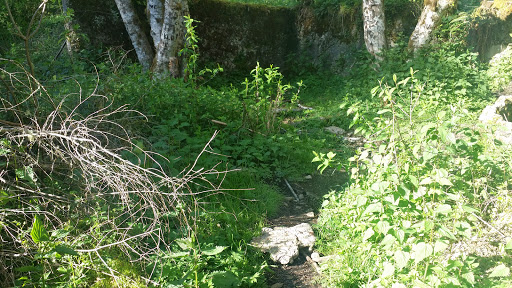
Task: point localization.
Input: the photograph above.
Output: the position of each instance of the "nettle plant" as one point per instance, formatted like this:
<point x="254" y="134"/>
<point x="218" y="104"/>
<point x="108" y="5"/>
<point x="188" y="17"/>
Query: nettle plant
<point x="262" y="95"/>
<point x="417" y="187"/>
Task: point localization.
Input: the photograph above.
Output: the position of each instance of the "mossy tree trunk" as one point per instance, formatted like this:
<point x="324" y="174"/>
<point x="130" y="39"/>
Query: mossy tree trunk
<point x="72" y="42"/>
<point x="133" y="26"/>
<point x="166" y="20"/>
<point x="430" y="17"/>
<point x="374" y="28"/>
<point x="171" y="39"/>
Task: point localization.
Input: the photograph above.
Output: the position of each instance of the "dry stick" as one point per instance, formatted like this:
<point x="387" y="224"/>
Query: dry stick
<point x="314" y="265"/>
<point x="489" y="225"/>
<point x="291" y="189"/>
<point x="115" y="243"/>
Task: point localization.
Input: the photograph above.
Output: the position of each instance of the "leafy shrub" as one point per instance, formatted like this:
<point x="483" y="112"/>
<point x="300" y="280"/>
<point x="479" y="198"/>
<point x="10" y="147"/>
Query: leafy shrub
<point x="500" y="70"/>
<point x="416" y="190"/>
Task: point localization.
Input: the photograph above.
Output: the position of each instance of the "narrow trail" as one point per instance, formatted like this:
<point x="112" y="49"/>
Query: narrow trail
<point x="301" y="273"/>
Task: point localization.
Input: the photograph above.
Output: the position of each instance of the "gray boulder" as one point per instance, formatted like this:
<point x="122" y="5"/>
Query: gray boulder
<point x="283" y="243"/>
<point x="500" y="113"/>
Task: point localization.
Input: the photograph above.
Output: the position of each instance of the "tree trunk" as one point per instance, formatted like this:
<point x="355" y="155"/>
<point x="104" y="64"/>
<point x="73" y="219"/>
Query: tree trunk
<point x="172" y="40"/>
<point x="373" y="18"/>
<point x="430" y="18"/>
<point x="155" y="13"/>
<point x="139" y="40"/>
<point x="72" y="42"/>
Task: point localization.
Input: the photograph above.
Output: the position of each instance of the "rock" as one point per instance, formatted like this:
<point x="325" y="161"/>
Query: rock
<point x="277" y="285"/>
<point x="500" y="113"/>
<point x="315" y="256"/>
<point x="352" y="139"/>
<point x="301" y="196"/>
<point x="308" y="177"/>
<point x="318" y="259"/>
<point x="283" y="243"/>
<point x="335" y="130"/>
<point x="310" y="215"/>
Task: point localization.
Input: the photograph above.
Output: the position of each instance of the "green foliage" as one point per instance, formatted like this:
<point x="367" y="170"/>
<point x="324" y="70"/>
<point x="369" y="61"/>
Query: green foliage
<point x="271" y="3"/>
<point x="191" y="53"/>
<point x="262" y="96"/>
<point x="500" y="71"/>
<point x="416" y="189"/>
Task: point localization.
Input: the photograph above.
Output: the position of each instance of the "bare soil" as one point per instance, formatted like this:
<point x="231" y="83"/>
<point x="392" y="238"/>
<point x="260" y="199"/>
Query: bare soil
<point x="301" y="273"/>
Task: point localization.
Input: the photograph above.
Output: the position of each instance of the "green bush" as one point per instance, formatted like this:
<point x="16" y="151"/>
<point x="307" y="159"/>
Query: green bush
<point x="416" y="190"/>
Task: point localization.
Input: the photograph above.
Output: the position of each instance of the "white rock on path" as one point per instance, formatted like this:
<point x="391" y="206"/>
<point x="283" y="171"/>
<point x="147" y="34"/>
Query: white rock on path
<point x="496" y="114"/>
<point x="283" y="243"/>
<point x="335" y="130"/>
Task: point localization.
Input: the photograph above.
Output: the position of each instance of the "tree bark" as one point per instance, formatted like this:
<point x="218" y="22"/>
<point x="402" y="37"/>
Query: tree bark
<point x="155" y="13"/>
<point x="172" y="40"/>
<point x="374" y="28"/>
<point x="72" y="42"/>
<point x="139" y="40"/>
<point x="430" y="18"/>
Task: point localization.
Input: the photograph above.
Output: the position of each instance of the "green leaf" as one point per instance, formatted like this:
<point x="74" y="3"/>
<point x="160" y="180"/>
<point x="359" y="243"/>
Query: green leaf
<point x="450" y="137"/>
<point x="500" y="271"/>
<point x="368" y="234"/>
<point x="377" y="158"/>
<point x="509" y="244"/>
<point x="38" y="232"/>
<point x="375" y="207"/>
<point x="470" y="277"/>
<point x="421" y="251"/>
<point x="400" y="235"/>
<point x="382" y="227"/>
<point x="469" y="209"/>
<point x="443" y="209"/>
<point x="388" y="241"/>
<point x="419" y="284"/>
<point x="440" y="246"/>
<point x="444" y="181"/>
<point x="361" y="200"/>
<point x="178" y="254"/>
<point x="29" y="268"/>
<point x="185" y="243"/>
<point x="225" y="279"/>
<point x="213" y="251"/>
<point x="389" y="270"/>
<point x="443" y="231"/>
<point x="63" y="250"/>
<point x="426" y="181"/>
<point x="414" y="180"/>
<point x="401" y="258"/>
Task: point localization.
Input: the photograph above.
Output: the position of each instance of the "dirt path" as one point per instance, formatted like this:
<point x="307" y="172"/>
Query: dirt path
<point x="301" y="273"/>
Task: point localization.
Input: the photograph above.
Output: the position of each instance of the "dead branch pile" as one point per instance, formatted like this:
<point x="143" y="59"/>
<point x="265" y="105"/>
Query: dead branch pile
<point x="45" y="156"/>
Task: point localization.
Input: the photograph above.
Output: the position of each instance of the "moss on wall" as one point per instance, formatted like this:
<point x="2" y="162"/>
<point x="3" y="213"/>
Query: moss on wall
<point x="489" y="33"/>
<point x="238" y="35"/>
<point x="101" y="22"/>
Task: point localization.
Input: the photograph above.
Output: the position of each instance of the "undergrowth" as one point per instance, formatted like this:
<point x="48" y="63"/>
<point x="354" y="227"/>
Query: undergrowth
<point x="429" y="186"/>
<point x="425" y="179"/>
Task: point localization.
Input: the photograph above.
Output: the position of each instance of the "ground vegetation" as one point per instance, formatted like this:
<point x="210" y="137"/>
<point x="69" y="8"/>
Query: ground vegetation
<point x="112" y="178"/>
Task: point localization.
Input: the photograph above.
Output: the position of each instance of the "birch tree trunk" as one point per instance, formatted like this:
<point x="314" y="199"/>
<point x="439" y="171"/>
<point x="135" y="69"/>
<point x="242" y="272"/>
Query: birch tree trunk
<point x="172" y="40"/>
<point x="373" y="18"/>
<point x="155" y="11"/>
<point x="430" y="18"/>
<point x="139" y="40"/>
<point x="72" y="42"/>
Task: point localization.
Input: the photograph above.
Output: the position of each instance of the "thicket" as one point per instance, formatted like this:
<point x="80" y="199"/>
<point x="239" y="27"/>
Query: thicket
<point x="96" y="194"/>
<point x="430" y="185"/>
